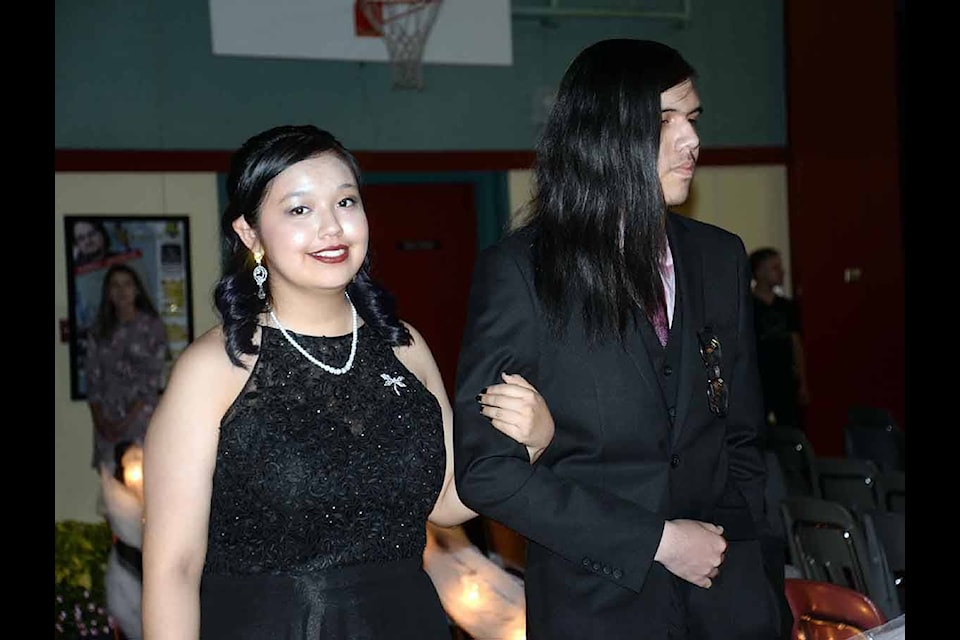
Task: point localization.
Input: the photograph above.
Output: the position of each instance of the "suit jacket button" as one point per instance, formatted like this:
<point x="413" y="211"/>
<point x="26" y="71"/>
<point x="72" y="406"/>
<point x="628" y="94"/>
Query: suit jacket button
<point x="596" y="566"/>
<point x="674" y="461"/>
<point x="667" y="370"/>
<point x="586" y="562"/>
<point x="617" y="574"/>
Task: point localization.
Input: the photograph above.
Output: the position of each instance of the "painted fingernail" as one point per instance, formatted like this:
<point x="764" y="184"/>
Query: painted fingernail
<point x="478" y="398"/>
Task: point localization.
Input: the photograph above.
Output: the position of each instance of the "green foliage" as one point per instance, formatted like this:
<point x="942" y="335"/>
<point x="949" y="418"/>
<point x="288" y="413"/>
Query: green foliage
<point x="80" y="562"/>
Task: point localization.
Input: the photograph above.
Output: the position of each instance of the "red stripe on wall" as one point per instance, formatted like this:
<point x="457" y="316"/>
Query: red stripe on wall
<point x="119" y="161"/>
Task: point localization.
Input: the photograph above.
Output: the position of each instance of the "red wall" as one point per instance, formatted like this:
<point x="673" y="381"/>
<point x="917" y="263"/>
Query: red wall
<point x="845" y="208"/>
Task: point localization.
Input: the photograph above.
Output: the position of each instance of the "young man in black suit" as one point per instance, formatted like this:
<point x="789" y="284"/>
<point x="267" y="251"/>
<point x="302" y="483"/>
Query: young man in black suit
<point x="645" y="514"/>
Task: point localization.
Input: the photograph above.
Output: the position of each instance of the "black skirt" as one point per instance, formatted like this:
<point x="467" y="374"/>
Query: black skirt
<point x="390" y="601"/>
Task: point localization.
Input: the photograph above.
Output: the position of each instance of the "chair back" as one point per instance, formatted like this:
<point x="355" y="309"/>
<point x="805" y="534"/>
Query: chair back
<point x="827" y="611"/>
<point x="885" y="531"/>
<point x="797" y="460"/>
<point x="827" y="544"/>
<point x="883" y="445"/>
<point x="893" y="488"/>
<point x="851" y="482"/>
<point x="870" y="416"/>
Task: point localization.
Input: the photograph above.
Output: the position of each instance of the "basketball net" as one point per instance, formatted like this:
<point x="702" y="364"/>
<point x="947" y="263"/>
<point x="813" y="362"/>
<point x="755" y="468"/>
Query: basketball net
<point x="404" y="26"/>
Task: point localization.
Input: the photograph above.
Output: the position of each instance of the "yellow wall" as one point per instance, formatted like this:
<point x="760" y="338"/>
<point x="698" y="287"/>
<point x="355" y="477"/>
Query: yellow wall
<point x="748" y="200"/>
<point x="193" y="194"/>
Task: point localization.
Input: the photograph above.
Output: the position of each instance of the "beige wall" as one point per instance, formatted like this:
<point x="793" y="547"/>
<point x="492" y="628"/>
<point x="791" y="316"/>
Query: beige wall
<point x="750" y="201"/>
<point x="194" y="194"/>
<point x="747" y="200"/>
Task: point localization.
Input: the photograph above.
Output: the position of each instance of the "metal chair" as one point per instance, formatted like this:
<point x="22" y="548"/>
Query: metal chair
<point x="885" y="531"/>
<point x="797" y="459"/>
<point x="871" y="433"/>
<point x="893" y="488"/>
<point x="852" y="482"/>
<point x="827" y="543"/>
<point x="826" y="611"/>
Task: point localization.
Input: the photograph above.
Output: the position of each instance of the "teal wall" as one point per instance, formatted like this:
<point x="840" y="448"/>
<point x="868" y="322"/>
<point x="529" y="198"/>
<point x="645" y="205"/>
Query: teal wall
<point x="141" y="75"/>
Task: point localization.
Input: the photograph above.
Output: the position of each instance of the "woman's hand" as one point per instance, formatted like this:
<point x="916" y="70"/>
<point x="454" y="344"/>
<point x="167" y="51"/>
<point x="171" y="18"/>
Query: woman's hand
<point x="516" y="409"/>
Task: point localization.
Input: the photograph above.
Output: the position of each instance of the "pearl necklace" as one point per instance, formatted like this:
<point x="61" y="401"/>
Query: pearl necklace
<point x="353" y="346"/>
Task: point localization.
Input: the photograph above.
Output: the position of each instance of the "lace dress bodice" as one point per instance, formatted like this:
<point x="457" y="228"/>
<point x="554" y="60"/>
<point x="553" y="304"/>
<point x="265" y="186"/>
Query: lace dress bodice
<point x="315" y="470"/>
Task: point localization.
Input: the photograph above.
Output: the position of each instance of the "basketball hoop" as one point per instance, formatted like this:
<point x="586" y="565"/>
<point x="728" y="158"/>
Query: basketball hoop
<point x="404" y="26"/>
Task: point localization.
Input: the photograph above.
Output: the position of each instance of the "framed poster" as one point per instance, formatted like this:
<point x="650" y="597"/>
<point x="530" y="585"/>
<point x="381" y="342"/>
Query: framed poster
<point x="156" y="247"/>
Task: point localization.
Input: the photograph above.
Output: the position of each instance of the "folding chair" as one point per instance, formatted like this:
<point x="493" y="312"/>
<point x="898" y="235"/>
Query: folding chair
<point x="827" y="611"/>
<point x="870" y="416"/>
<point x="893" y="488"/>
<point x="797" y="459"/>
<point x="885" y="446"/>
<point x="886" y="531"/>
<point x="851" y="482"/>
<point x="827" y="543"/>
<point x="871" y="433"/>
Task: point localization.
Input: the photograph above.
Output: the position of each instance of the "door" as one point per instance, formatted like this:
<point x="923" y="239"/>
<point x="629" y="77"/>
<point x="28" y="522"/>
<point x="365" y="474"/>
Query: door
<point x="423" y="243"/>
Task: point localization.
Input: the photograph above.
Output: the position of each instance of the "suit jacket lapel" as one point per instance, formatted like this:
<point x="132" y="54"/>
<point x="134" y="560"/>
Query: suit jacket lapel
<point x="688" y="266"/>
<point x="637" y="351"/>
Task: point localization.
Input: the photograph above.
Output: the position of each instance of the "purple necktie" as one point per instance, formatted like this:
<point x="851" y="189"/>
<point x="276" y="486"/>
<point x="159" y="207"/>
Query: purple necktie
<point x="659" y="322"/>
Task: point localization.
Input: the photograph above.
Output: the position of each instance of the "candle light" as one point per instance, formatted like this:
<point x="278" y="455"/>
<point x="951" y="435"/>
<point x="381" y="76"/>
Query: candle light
<point x="132" y="462"/>
<point x="470" y="590"/>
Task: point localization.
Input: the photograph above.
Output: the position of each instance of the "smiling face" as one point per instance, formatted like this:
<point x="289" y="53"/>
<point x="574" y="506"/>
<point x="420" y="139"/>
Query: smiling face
<point x="679" y="142"/>
<point x="313" y="229"/>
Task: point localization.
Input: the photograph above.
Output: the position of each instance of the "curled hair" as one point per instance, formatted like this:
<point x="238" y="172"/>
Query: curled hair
<point x="106" y="321"/>
<point x="598" y="210"/>
<point x="252" y="169"/>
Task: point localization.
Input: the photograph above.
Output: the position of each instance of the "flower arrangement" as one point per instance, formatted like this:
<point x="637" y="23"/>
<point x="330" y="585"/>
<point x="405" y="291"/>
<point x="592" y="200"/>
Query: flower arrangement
<point x="80" y="561"/>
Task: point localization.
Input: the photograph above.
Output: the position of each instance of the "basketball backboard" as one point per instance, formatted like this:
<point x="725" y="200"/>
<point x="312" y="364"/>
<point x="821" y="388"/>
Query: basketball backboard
<point x="468" y="32"/>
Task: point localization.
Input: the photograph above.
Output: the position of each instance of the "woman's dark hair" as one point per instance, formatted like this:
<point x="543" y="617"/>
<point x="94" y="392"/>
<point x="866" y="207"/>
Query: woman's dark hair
<point x="598" y="210"/>
<point x="252" y="168"/>
<point x="106" y="320"/>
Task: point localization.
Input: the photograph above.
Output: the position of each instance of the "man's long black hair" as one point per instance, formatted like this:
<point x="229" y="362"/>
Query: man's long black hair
<point x="598" y="210"/>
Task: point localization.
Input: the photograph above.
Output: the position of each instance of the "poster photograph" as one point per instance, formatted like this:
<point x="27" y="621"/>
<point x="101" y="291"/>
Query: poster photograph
<point x="156" y="247"/>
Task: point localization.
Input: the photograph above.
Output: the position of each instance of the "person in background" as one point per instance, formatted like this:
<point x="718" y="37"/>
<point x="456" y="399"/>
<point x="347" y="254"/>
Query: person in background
<point x="645" y="514"/>
<point x="780" y="353"/>
<point x="126" y="350"/>
<point x="303" y="444"/>
<point x="122" y="494"/>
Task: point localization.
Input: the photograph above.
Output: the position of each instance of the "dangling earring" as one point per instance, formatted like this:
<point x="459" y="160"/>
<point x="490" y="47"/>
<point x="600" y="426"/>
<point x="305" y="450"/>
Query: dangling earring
<point x="259" y="274"/>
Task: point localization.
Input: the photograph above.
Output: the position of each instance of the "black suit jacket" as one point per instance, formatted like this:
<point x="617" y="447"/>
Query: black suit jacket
<point x="593" y="507"/>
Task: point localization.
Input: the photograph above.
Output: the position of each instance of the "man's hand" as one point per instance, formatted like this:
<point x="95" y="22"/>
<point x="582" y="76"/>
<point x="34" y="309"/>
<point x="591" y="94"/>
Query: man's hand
<point x="692" y="550"/>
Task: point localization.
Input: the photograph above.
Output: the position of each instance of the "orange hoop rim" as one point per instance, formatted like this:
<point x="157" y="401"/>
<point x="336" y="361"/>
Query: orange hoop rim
<point x="379" y="20"/>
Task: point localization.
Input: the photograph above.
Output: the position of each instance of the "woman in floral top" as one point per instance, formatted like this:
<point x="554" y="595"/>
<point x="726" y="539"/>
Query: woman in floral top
<point x="126" y="351"/>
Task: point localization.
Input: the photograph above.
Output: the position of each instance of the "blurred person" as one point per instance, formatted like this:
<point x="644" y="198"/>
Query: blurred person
<point x="645" y="514"/>
<point x="122" y="493"/>
<point x="304" y="443"/>
<point x="780" y="353"/>
<point x="126" y="351"/>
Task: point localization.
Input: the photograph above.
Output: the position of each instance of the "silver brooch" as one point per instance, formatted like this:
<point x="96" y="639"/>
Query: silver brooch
<point x="396" y="383"/>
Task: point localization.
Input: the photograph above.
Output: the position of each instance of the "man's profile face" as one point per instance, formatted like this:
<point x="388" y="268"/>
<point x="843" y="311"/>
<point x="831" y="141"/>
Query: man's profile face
<point x="679" y="142"/>
<point x="88" y="239"/>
